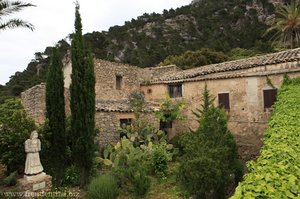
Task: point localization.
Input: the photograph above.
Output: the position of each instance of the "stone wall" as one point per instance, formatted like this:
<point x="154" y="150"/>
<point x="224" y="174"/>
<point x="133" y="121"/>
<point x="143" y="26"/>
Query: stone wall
<point x="159" y="70"/>
<point x="247" y="117"/>
<point x="108" y="122"/>
<point x="34" y="102"/>
<point x="106" y="73"/>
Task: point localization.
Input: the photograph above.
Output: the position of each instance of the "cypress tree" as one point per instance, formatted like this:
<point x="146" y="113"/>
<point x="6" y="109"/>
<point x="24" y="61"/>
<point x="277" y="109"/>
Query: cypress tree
<point x="82" y="103"/>
<point x="55" y="107"/>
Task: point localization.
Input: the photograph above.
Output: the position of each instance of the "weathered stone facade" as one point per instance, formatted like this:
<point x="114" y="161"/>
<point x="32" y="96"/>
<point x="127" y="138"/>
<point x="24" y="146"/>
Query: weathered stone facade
<point x="109" y="115"/>
<point x="243" y="80"/>
<point x="34" y="102"/>
<point x="107" y="73"/>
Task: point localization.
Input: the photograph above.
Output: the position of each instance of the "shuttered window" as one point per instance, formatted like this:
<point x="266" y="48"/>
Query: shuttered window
<point x="269" y="97"/>
<point x="175" y="90"/>
<point x="223" y="99"/>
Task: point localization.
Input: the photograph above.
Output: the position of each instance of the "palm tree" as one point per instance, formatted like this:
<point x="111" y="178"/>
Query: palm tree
<point x="286" y="24"/>
<point x="10" y="7"/>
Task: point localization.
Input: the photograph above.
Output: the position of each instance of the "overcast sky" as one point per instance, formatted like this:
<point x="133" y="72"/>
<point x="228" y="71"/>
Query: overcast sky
<point x="54" y="20"/>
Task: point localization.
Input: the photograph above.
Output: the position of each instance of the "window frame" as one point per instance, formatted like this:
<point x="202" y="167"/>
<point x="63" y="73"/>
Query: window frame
<point x="171" y="90"/>
<point x="127" y="123"/>
<point x="267" y="104"/>
<point x="119" y="82"/>
<point x="225" y="106"/>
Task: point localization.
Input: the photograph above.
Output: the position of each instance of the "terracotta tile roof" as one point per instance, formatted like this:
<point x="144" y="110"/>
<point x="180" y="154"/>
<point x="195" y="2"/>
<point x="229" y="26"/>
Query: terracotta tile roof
<point x="268" y="59"/>
<point x="121" y="106"/>
<point x="172" y="67"/>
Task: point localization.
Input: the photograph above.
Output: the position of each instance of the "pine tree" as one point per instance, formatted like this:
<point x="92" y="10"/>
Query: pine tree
<point x="210" y="153"/>
<point x="55" y="107"/>
<point x="82" y="103"/>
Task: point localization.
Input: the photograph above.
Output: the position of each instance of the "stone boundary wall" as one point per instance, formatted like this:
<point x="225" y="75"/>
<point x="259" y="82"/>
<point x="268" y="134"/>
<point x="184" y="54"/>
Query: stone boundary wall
<point x="108" y="123"/>
<point x="34" y="102"/>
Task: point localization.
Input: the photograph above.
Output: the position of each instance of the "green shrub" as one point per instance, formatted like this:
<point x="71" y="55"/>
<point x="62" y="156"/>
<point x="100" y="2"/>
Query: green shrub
<point x="210" y="153"/>
<point x="191" y="59"/>
<point x="276" y="173"/>
<point x="71" y="176"/>
<point x="11" y="180"/>
<point x="15" y="129"/>
<point x="103" y="187"/>
<point x="141" y="183"/>
<point x="160" y="161"/>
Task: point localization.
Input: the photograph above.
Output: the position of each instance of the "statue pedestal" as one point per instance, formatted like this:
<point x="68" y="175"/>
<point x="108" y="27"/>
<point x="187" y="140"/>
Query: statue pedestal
<point x="35" y="183"/>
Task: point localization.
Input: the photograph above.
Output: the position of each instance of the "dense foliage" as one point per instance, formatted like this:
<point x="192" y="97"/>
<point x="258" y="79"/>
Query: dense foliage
<point x="15" y="128"/>
<point x="221" y="26"/>
<point x="82" y="103"/>
<point x="151" y="38"/>
<point x="170" y="111"/>
<point x="285" y="26"/>
<point x="103" y="187"/>
<point x="191" y="59"/>
<point x="276" y="173"/>
<point x="142" y="150"/>
<point x="55" y="113"/>
<point x="210" y="154"/>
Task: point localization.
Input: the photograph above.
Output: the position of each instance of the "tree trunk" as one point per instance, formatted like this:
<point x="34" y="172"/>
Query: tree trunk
<point x="83" y="177"/>
<point x="58" y="178"/>
<point x="293" y="35"/>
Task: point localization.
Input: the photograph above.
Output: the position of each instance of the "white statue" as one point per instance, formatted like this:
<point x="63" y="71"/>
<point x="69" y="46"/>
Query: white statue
<point x="33" y="164"/>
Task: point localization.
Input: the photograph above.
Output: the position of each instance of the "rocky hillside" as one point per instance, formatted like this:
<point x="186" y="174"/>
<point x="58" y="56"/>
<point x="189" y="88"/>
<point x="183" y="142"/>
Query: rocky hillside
<point x="219" y="25"/>
<point x="216" y="24"/>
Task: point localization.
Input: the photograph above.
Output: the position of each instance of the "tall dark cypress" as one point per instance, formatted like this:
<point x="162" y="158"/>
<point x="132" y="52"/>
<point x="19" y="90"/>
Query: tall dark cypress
<point x="82" y="103"/>
<point x="55" y="107"/>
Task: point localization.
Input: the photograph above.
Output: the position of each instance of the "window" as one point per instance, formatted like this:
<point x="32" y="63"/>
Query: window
<point x="125" y="122"/>
<point x="165" y="125"/>
<point x="269" y="97"/>
<point x="175" y="90"/>
<point x="119" y="82"/>
<point x="223" y="99"/>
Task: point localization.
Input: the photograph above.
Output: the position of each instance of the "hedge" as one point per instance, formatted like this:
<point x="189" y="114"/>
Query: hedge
<point x="276" y="173"/>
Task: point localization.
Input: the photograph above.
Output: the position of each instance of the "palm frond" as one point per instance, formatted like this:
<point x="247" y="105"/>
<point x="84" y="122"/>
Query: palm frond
<point x="8" y="8"/>
<point x="16" y="23"/>
<point x="286" y="25"/>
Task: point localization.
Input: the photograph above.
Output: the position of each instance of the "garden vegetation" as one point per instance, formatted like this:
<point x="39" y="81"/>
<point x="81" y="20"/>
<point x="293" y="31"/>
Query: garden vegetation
<point x="276" y="173"/>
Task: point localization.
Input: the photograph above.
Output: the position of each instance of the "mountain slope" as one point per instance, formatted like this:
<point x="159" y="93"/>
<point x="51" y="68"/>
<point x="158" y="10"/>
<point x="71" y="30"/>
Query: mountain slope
<point x="215" y="24"/>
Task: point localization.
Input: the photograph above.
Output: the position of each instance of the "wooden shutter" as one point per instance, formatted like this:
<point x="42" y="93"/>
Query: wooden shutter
<point x="269" y="97"/>
<point x="224" y="101"/>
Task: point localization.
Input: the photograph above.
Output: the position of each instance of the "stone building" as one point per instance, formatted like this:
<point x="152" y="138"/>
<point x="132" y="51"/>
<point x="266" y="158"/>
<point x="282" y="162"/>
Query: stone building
<point x="246" y="88"/>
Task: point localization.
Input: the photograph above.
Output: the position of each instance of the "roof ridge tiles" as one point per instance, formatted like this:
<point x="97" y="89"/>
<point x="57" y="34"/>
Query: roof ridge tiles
<point x="261" y="60"/>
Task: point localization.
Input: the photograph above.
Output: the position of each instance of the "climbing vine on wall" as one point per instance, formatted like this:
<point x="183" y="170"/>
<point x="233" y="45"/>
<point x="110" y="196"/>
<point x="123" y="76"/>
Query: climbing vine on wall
<point x="170" y="110"/>
<point x="276" y="173"/>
